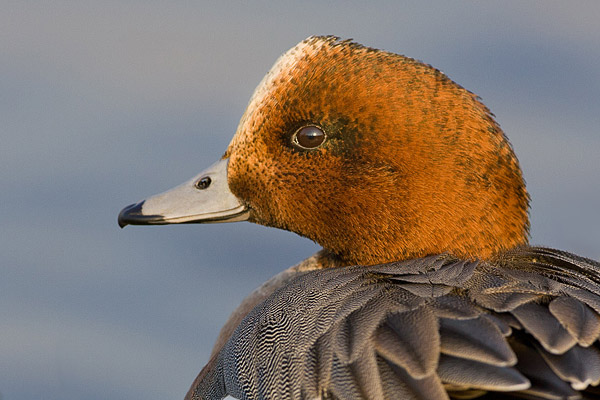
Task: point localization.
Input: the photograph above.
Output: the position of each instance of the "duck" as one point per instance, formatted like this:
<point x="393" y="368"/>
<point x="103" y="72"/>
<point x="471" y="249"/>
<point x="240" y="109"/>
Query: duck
<point x="426" y="286"/>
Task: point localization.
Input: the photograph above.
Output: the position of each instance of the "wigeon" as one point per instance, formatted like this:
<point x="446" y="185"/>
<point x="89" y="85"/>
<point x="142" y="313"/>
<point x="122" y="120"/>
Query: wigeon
<point x="426" y="287"/>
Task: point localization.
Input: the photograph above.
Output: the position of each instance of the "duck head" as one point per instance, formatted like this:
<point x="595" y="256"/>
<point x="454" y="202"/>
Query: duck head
<point x="375" y="156"/>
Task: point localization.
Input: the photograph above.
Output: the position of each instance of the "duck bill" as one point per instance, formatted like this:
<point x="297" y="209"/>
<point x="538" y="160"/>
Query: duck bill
<point x="209" y="201"/>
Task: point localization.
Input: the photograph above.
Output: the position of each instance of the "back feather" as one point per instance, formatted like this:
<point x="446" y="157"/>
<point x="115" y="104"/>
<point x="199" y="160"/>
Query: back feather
<point x="525" y="325"/>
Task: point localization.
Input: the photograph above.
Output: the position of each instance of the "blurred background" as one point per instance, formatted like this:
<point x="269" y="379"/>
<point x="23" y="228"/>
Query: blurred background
<point x="105" y="102"/>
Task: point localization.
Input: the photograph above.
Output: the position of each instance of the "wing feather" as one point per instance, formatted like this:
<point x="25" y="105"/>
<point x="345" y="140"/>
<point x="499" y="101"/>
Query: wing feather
<point x="545" y="384"/>
<point x="476" y="339"/>
<point x="473" y="374"/>
<point x="410" y="340"/>
<point x="578" y="319"/>
<point x="580" y="366"/>
<point x="399" y="384"/>
<point x="525" y="324"/>
<point x="538" y="321"/>
<point x="455" y="307"/>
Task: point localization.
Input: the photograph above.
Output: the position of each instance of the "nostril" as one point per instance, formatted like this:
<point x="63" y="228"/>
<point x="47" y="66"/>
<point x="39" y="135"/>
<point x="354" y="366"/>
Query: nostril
<point x="203" y="182"/>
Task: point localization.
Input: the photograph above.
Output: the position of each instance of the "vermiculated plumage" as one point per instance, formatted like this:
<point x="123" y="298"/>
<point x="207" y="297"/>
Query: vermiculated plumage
<point x="526" y="323"/>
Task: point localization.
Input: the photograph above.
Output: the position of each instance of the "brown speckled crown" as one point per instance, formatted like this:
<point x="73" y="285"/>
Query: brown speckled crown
<point x="413" y="163"/>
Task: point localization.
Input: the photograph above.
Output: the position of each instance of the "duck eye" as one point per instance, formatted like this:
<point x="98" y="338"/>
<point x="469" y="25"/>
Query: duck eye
<point x="203" y="182"/>
<point x="309" y="137"/>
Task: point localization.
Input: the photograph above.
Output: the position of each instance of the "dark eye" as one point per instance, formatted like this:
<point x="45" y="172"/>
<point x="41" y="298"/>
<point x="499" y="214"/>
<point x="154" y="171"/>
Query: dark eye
<point x="203" y="183"/>
<point x="309" y="137"/>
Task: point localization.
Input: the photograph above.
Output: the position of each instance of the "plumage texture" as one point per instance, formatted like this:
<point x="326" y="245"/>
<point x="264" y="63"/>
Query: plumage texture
<point x="510" y="325"/>
<point x="413" y="164"/>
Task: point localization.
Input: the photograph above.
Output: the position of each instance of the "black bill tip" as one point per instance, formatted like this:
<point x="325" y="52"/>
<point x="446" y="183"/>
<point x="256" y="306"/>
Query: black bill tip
<point x="132" y="215"/>
<point x="129" y="213"/>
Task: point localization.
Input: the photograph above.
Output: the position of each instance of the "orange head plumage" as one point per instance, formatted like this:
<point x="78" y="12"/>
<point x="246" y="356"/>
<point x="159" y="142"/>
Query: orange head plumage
<point x="411" y="163"/>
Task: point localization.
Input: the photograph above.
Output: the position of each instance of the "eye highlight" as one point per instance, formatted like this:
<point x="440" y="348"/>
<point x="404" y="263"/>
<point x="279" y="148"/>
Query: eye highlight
<point x="309" y="137"/>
